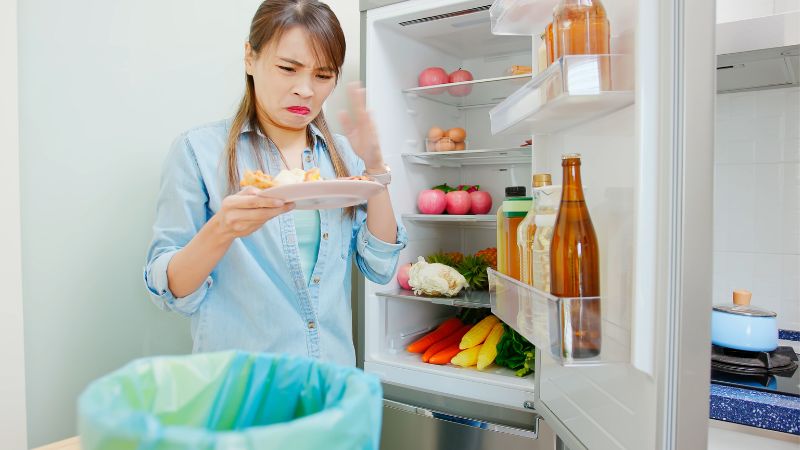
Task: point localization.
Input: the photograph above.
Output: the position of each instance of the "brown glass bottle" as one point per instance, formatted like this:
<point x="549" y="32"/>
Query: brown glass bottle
<point x="575" y="266"/>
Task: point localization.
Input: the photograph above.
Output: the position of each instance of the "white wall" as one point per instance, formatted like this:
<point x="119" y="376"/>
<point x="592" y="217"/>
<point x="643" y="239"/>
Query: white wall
<point x="732" y="10"/>
<point x="757" y="200"/>
<point x="104" y="89"/>
<point x="12" y="357"/>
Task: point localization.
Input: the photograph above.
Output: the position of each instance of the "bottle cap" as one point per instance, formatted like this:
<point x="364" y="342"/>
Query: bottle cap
<point x="515" y="191"/>
<point x="570" y="156"/>
<point x="542" y="179"/>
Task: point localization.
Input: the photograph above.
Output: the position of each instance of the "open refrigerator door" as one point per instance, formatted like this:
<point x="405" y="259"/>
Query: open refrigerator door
<point x="617" y="398"/>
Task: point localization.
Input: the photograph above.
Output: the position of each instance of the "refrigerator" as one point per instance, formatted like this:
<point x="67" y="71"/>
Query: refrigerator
<point x="646" y="140"/>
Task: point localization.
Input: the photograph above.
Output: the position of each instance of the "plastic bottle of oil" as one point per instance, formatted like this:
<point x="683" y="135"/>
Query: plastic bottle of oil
<point x="515" y="207"/>
<point x="502" y="234"/>
<point x="526" y="230"/>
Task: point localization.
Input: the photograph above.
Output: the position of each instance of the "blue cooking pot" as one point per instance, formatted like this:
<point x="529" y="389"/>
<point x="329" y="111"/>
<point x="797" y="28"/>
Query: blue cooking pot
<point x="744" y="327"/>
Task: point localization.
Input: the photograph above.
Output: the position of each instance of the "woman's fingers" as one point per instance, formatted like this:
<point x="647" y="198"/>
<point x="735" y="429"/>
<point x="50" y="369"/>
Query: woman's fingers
<point x="258" y="216"/>
<point x="247" y="201"/>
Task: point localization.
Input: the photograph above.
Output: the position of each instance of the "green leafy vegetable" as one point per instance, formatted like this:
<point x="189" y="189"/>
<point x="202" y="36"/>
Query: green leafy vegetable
<point x="515" y="352"/>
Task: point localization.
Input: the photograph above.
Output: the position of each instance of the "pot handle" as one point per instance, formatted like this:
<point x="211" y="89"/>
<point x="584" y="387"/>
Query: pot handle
<point x="742" y="297"/>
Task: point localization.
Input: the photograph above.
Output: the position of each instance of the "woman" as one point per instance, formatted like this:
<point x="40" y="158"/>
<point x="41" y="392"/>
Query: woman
<point x="250" y="272"/>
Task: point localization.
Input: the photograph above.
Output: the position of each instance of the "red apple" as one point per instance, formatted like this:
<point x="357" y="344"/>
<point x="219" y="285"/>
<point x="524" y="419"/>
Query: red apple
<point x="432" y="76"/>
<point x="458" y="202"/>
<point x="480" y="201"/>
<point x="431" y="201"/>
<point x="456" y="77"/>
<point x="402" y="276"/>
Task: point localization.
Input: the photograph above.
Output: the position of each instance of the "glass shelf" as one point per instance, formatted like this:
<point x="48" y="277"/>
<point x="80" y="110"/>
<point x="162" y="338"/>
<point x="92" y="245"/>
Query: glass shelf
<point x="521" y="17"/>
<point x="476" y="220"/>
<point x="475" y="93"/>
<point x="571" y="91"/>
<point x="465" y="299"/>
<point x="515" y="155"/>
<point x="546" y="321"/>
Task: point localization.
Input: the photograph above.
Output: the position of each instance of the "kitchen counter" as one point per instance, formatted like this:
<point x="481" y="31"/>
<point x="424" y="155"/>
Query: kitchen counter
<point x="755" y="408"/>
<point x="769" y="411"/>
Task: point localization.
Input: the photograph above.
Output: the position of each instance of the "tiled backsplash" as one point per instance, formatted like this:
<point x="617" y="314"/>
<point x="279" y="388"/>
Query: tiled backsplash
<point x="757" y="200"/>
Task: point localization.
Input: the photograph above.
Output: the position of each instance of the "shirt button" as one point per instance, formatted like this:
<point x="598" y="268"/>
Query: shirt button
<point x="308" y="159"/>
<point x="316" y="280"/>
<point x="325" y="236"/>
<point x="311" y="325"/>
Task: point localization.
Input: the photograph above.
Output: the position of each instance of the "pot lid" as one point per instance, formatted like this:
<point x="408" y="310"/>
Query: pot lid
<point x="744" y="310"/>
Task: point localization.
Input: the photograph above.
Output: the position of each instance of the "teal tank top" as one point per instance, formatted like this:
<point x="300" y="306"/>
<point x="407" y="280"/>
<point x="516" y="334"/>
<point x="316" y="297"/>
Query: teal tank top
<point x="306" y="224"/>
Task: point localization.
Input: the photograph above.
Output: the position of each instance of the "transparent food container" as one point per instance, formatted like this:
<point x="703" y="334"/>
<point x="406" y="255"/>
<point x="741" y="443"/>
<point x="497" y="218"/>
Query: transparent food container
<point x="549" y="322"/>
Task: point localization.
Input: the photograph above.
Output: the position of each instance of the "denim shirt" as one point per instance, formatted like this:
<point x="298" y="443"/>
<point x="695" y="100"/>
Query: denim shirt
<point x="256" y="298"/>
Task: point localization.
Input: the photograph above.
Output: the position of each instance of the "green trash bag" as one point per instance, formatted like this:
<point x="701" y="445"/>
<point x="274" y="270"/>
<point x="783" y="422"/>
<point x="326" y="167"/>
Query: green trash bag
<point x="231" y="400"/>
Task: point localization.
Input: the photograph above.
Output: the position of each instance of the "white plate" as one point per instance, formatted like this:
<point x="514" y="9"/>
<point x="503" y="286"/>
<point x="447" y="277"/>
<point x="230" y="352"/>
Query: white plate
<point x="325" y="194"/>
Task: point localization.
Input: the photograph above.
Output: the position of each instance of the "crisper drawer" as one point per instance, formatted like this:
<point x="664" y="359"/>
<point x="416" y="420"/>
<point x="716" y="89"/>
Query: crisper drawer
<point x="406" y="426"/>
<point x="551" y="323"/>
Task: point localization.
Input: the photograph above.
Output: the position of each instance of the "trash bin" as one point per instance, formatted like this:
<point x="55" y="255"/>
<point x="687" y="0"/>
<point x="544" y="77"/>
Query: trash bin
<point x="231" y="400"/>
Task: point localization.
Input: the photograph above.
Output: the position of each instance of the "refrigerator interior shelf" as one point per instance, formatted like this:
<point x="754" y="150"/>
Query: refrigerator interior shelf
<point x="495" y="385"/>
<point x="471" y="94"/>
<point x="573" y="90"/>
<point x="547" y="321"/>
<point x="466" y="298"/>
<point x="521" y="17"/>
<point x="466" y="221"/>
<point x="515" y="155"/>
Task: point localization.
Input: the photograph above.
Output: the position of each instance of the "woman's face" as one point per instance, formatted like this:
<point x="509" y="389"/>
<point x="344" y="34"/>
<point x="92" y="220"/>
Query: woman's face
<point x="290" y="83"/>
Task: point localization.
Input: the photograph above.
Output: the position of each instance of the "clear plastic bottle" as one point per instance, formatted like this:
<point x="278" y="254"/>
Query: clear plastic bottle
<point x="526" y="230"/>
<point x="502" y="249"/>
<point x="548" y="199"/>
<point x="515" y="207"/>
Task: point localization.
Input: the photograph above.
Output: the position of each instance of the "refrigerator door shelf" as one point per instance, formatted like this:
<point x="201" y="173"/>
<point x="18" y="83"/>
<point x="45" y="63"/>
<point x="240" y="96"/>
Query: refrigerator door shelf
<point x="501" y="156"/>
<point x="521" y="17"/>
<point x="545" y="320"/>
<point x="495" y="385"/>
<point x="571" y="91"/>
<point x="476" y="220"/>
<point x="471" y="94"/>
<point x="465" y="299"/>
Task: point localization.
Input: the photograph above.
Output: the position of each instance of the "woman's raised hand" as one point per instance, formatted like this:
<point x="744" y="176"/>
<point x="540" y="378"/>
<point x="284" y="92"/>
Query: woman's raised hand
<point x="360" y="129"/>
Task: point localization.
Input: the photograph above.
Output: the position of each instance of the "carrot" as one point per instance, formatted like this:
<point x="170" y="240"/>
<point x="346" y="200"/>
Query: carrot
<point x="454" y="338"/>
<point x="442" y="331"/>
<point x="444" y="356"/>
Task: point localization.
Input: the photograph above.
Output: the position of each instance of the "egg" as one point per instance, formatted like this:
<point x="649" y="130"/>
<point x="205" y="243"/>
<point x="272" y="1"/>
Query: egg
<point x="457" y="134"/>
<point x="460" y="146"/>
<point x="445" y="145"/>
<point x="435" y="133"/>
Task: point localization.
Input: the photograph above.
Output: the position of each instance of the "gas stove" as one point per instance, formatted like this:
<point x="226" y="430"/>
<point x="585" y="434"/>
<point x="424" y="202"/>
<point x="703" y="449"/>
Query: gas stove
<point x="776" y="371"/>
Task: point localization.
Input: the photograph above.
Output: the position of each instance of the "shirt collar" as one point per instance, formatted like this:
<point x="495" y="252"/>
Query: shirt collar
<point x="246" y="128"/>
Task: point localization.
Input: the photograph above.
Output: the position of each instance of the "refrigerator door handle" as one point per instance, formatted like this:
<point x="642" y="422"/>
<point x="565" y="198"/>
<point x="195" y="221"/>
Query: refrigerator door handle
<point x="474" y="423"/>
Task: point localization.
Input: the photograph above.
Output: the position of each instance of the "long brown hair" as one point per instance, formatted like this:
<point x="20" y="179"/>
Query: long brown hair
<point x="271" y="20"/>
